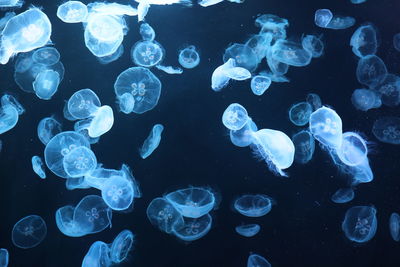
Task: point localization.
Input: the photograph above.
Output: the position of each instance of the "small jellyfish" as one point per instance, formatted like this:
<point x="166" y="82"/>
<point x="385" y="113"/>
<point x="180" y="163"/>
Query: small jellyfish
<point x="396" y="41"/>
<point x="83" y="103"/>
<point x="259" y="84"/>
<point x="46" y="55"/>
<point x="253" y="205"/>
<point x="358" y="1"/>
<point x="170" y="69"/>
<point x="29" y="232"/>
<point x="340" y="23"/>
<point x="98" y="255"/>
<point x="47" y="128"/>
<point x="248" y="230"/>
<point x="222" y="74"/>
<point x="277" y="68"/>
<point x="256" y="260"/>
<point x="193" y="228"/>
<point x="235" y="117"/>
<point x="313" y="44"/>
<point x="353" y="149"/>
<point x="322" y="17"/>
<point x="371" y="70"/>
<point x="387" y="130"/>
<point x="147" y="32"/>
<point x="304" y="146"/>
<point x="364" y="41"/>
<point x="121" y="246"/>
<point x="188" y="57"/>
<point x="4" y="257"/>
<point x="152" y="141"/>
<point x="343" y="195"/>
<point x="365" y="99"/>
<point x="314" y="100"/>
<point x="360" y="223"/>
<point x="38" y="166"/>
<point x="72" y="12"/>
<point x="243" y="137"/>
<point x="244" y="56"/>
<point x="126" y="102"/>
<point x="46" y="84"/>
<point x="118" y="192"/>
<point x="162" y="214"/>
<point x="299" y="114"/>
<point x="290" y="53"/>
<point x="326" y="127"/>
<point x="100" y="122"/>
<point x="394" y="226"/>
<point x="147" y="53"/>
<point x="79" y="161"/>
<point x="389" y="90"/>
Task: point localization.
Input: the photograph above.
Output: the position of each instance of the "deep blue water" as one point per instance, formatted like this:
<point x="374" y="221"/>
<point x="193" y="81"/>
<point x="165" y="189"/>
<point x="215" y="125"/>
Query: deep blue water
<point x="303" y="229"/>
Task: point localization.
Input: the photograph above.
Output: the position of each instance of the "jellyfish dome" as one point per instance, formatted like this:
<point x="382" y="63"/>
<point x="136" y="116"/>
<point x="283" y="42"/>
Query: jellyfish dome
<point x="235" y="117"/>
<point x="46" y="84"/>
<point x="360" y="223"/>
<point x="162" y="214"/>
<point x="46" y="55"/>
<point x="353" y="150"/>
<point x="193" y="228"/>
<point x="98" y="255"/>
<point x="147" y="32"/>
<point x="326" y="127"/>
<point x="100" y="122"/>
<point x="244" y="56"/>
<point x="147" y="53"/>
<point x="83" y="103"/>
<point x="142" y="84"/>
<point x="79" y="161"/>
<point x="72" y="12"/>
<point x="259" y="84"/>
<point x="243" y="137"/>
<point x="253" y="205"/>
<point x="323" y="17"/>
<point x="188" y="57"/>
<point x="47" y="128"/>
<point x="29" y="232"/>
<point x="118" y="192"/>
<point x="299" y="114"/>
<point x="121" y="246"/>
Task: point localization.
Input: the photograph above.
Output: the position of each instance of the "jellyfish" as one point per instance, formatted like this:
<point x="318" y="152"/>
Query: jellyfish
<point x="142" y="9"/>
<point x="364" y="41"/>
<point x="243" y="137"/>
<point x="371" y="70"/>
<point x="29" y="232"/>
<point x="118" y="192"/>
<point x="353" y="149"/>
<point x="343" y="195"/>
<point x="147" y="53"/>
<point x="98" y="255"/>
<point x="253" y="205"/>
<point x="152" y="141"/>
<point x="275" y="148"/>
<point x="260" y="43"/>
<point x="46" y="55"/>
<point x="10" y="111"/>
<point x="38" y="166"/>
<point x="72" y="12"/>
<point x="83" y="103"/>
<point x="126" y="102"/>
<point x="259" y="84"/>
<point x="162" y="214"/>
<point x="121" y="246"/>
<point x="387" y="130"/>
<point x="256" y="260"/>
<point x="188" y="57"/>
<point x="299" y="114"/>
<point x="396" y="41"/>
<point x="4" y="257"/>
<point x="142" y="84"/>
<point x="277" y="68"/>
<point x="23" y="33"/>
<point x="147" y="32"/>
<point x="11" y="4"/>
<point x="290" y="53"/>
<point x="192" y="202"/>
<point x="46" y="84"/>
<point x="314" y="100"/>
<point x="304" y="146"/>
<point x="99" y="122"/>
<point x="272" y="24"/>
<point x="113" y="57"/>
<point x="313" y="44"/>
<point x="360" y="223"/>
<point x="389" y="90"/>
<point x="235" y="117"/>
<point x="193" y="228"/>
<point x="170" y="69"/>
<point x="394" y="226"/>
<point x="244" y="56"/>
<point x="222" y="74"/>
<point x="326" y="127"/>
<point x="324" y="18"/>
<point x="79" y="161"/>
<point x="248" y="230"/>
<point x="365" y="99"/>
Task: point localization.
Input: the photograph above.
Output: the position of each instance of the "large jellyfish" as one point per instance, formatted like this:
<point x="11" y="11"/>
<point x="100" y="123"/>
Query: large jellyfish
<point x="253" y="205"/>
<point x="360" y="223"/>
<point x="29" y="232"/>
<point x="147" y="53"/>
<point x="152" y="141"/>
<point x="326" y="127"/>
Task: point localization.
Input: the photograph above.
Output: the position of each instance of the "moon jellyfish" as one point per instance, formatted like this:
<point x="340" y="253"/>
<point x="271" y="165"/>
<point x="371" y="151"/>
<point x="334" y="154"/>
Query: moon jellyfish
<point x="314" y="100"/>
<point x="343" y="195"/>
<point x="83" y="103"/>
<point x="389" y="90"/>
<point x="290" y="53"/>
<point x="46" y="55"/>
<point x="353" y="150"/>
<point x="313" y="44"/>
<point x="188" y="57"/>
<point x="299" y="114"/>
<point x="126" y="102"/>
<point x="100" y="122"/>
<point x="170" y="69"/>
<point x="364" y="41"/>
<point x="162" y="214"/>
<point x="72" y="12"/>
<point x="192" y="202"/>
<point x="29" y="232"/>
<point x="79" y="161"/>
<point x="387" y="130"/>
<point x="235" y="117"/>
<point x="38" y="166"/>
<point x="371" y="70"/>
<point x="222" y="74"/>
<point x="4" y="257"/>
<point x="260" y="43"/>
<point x="360" y="223"/>
<point x="394" y="226"/>
<point x="244" y="136"/>
<point x="275" y="148"/>
<point x="396" y="41"/>
<point x="253" y="205"/>
<point x="118" y="192"/>
<point x="98" y="255"/>
<point x="193" y="228"/>
<point x="46" y="84"/>
<point x="325" y="19"/>
<point x="304" y="146"/>
<point x="248" y="230"/>
<point x="147" y="53"/>
<point x="259" y="84"/>
<point x="24" y="32"/>
<point x="9" y="4"/>
<point x="152" y="141"/>
<point x="243" y="55"/>
<point x="277" y="68"/>
<point x="322" y="17"/>
<point x="9" y="113"/>
<point x="121" y="246"/>
<point x="142" y="84"/>
<point x="273" y="25"/>
<point x="60" y="146"/>
<point x="326" y="127"/>
<point x="256" y="260"/>
<point x="147" y="32"/>
<point x="365" y="99"/>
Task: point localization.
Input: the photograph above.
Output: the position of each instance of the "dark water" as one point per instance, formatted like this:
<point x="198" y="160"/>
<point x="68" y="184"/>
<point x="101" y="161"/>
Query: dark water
<point x="303" y="229"/>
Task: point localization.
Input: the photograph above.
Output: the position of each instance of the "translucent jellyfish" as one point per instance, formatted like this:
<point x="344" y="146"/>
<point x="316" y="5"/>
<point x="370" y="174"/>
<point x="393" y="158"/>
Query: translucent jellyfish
<point x="147" y="32"/>
<point x="248" y="230"/>
<point x="222" y="74"/>
<point x="275" y="148"/>
<point x="260" y="43"/>
<point x="326" y="127"/>
<point x="394" y="226"/>
<point x="83" y="103"/>
<point x="100" y="122"/>
<point x="188" y="57"/>
<point x="299" y="114"/>
<point x="353" y="150"/>
<point x="235" y="117"/>
<point x="389" y="90"/>
<point x="396" y="41"/>
<point x="360" y="223"/>
<point x="46" y="84"/>
<point x="304" y="146"/>
<point x="363" y="41"/>
<point x="192" y="202"/>
<point x="72" y="12"/>
<point x="126" y="102"/>
<point x="79" y="161"/>
<point x="4" y="257"/>
<point x="98" y="255"/>
<point x="244" y="56"/>
<point x="371" y="70"/>
<point x="162" y="214"/>
<point x="243" y="137"/>
<point x="253" y="205"/>
<point x="29" y="232"/>
<point x="118" y="192"/>
<point x="147" y="53"/>
<point x="365" y="99"/>
<point x="47" y="56"/>
<point x="314" y="100"/>
<point x="313" y="44"/>
<point x="387" y="130"/>
<point x="206" y="3"/>
<point x="256" y="260"/>
<point x="144" y="86"/>
<point x="11" y="3"/>
<point x="277" y="68"/>
<point x="9" y="112"/>
<point x="121" y="246"/>
<point x="113" y="57"/>
<point x="193" y="229"/>
<point x="259" y="84"/>
<point x="290" y="53"/>
<point x="343" y="195"/>
<point x="38" y="166"/>
<point x="58" y="147"/>
<point x="170" y="69"/>
<point x="152" y="141"/>
<point x="272" y="24"/>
